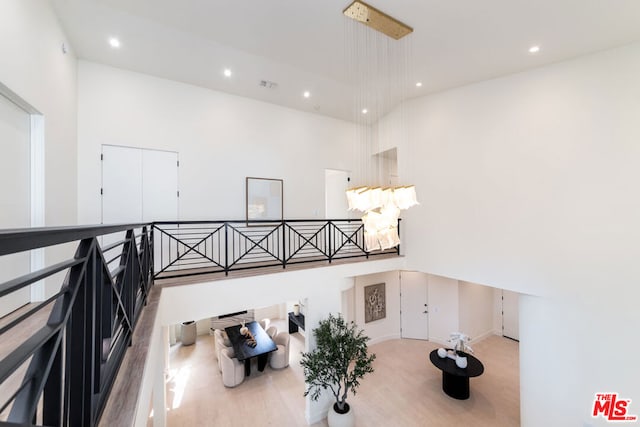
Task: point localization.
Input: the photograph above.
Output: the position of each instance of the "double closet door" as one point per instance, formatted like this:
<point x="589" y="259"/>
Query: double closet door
<point x="138" y="185"/>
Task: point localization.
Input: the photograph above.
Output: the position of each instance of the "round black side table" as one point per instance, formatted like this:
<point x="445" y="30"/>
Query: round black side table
<point x="455" y="381"/>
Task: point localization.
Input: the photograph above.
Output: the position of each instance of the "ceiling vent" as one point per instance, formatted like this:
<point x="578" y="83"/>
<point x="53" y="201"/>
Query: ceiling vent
<point x="267" y="84"/>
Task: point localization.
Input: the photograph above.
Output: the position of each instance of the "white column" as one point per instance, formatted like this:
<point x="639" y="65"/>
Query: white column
<point x="159" y="381"/>
<point x="318" y="307"/>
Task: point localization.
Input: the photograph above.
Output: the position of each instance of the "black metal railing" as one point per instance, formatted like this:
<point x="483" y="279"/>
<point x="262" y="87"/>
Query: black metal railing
<point x="67" y="362"/>
<point x="188" y="248"/>
<point x="59" y="357"/>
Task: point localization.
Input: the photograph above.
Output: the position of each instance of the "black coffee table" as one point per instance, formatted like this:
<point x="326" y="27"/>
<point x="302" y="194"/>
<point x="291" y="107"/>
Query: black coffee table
<point x="244" y="352"/>
<point x="455" y="381"/>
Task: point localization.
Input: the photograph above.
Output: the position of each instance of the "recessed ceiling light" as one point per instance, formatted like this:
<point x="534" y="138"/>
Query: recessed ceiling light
<point x="306" y="94"/>
<point x="227" y="72"/>
<point x="419" y="84"/>
<point x="114" y="42"/>
<point x="534" y="49"/>
<point x="365" y="111"/>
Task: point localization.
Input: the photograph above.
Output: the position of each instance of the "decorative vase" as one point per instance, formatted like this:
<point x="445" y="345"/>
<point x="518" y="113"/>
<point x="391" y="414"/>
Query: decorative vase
<point x="188" y="332"/>
<point x="337" y="418"/>
<point x="461" y="362"/>
<point x="296" y="309"/>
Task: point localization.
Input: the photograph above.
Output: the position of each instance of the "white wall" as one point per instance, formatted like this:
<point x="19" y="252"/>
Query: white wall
<point x="389" y="327"/>
<point x="475" y="304"/>
<point x="35" y="68"/>
<point x="443" y="308"/>
<point x="529" y="183"/>
<point x="221" y="140"/>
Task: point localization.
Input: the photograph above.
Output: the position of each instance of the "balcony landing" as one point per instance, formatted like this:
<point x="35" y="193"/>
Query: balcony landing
<point x="192" y="276"/>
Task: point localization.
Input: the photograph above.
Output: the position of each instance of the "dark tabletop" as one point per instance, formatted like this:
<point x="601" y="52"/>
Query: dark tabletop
<point x="243" y="351"/>
<point x="474" y="366"/>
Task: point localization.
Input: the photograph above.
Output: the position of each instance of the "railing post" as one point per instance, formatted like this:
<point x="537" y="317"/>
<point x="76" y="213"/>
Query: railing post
<point x="80" y="335"/>
<point x="53" y="392"/>
<point x="226" y="249"/>
<point x="284" y="245"/>
<point x="330" y="224"/>
<point x="152" y="256"/>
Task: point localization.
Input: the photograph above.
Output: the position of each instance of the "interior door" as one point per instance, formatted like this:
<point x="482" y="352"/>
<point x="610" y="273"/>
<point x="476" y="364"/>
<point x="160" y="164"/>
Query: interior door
<point x="121" y="184"/>
<point x="510" y="316"/>
<point x="336" y="183"/>
<point x="139" y="185"/>
<point x="159" y="185"/>
<point x="414" y="307"/>
<point x="15" y="195"/>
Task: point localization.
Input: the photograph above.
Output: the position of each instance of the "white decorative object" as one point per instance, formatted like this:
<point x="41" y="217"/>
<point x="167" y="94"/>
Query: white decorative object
<point x="382" y="209"/>
<point x="461" y="362"/>
<point x="460" y="341"/>
<point x="244" y="330"/>
<point x="296" y="309"/>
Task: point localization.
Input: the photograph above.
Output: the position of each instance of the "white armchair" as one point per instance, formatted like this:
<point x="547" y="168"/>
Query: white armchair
<point x="265" y="323"/>
<point x="232" y="369"/>
<point x="221" y="343"/>
<point x="279" y="359"/>
<point x="272" y="331"/>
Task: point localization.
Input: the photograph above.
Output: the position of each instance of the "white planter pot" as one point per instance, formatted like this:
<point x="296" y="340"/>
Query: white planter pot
<point x="335" y="419"/>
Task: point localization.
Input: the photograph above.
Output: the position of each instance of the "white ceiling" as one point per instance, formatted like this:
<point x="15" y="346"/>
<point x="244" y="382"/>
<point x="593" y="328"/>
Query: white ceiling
<point x="300" y="44"/>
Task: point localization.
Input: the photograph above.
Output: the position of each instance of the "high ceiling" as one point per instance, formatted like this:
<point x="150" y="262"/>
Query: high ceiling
<point x="300" y="44"/>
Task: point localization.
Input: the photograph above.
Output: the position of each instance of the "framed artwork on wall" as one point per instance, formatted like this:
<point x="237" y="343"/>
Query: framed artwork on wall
<point x="375" y="303"/>
<point x="264" y="199"/>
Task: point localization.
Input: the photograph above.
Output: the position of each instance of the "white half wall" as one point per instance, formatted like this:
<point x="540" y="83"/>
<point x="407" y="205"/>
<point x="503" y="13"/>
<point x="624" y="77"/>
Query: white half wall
<point x="221" y="139"/>
<point x="529" y="183"/>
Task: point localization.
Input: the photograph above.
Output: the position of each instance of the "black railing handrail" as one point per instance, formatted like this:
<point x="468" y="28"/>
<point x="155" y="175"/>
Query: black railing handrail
<point x="193" y="247"/>
<point x="72" y="357"/>
<point x="24" y="239"/>
<point x="255" y="221"/>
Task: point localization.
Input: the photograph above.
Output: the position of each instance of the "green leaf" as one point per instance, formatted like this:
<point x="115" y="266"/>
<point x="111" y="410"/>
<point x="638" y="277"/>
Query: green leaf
<point x="339" y="361"/>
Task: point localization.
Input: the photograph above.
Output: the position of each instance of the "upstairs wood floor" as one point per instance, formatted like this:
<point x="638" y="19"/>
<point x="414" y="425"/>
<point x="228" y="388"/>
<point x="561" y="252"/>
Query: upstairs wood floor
<point x="405" y="389"/>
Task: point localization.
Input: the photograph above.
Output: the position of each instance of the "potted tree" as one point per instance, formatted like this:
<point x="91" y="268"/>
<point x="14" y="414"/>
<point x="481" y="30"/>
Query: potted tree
<point x="338" y="363"/>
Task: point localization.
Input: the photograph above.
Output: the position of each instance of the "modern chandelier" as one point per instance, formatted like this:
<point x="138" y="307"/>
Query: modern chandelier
<point x="378" y="63"/>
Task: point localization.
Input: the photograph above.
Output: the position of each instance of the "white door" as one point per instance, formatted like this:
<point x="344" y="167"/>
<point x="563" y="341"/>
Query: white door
<point x="121" y="184"/>
<point x="159" y="185"/>
<point x="414" y="307"/>
<point x="15" y="195"/>
<point x="138" y="185"/>
<point x="510" y="323"/>
<point x="336" y="183"/>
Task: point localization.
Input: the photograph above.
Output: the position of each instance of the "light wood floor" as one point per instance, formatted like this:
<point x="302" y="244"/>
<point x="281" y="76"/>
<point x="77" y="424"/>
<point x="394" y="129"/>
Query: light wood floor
<point x="404" y="390"/>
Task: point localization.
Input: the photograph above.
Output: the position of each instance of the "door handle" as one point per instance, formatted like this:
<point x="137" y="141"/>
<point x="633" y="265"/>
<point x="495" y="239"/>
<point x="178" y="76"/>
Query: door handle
<point x="425" y="312"/>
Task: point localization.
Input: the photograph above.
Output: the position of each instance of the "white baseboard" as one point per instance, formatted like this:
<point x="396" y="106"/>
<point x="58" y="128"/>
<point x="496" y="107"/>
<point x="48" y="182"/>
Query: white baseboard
<point x="483" y="336"/>
<point x="383" y="338"/>
<point x="442" y="341"/>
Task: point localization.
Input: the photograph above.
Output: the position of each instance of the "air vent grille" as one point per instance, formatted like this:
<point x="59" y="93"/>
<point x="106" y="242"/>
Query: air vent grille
<point x="267" y="84"/>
